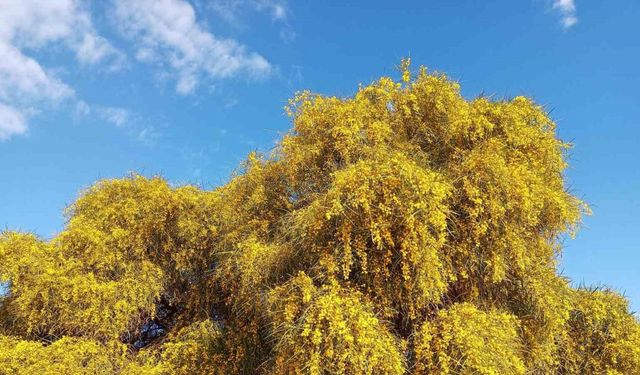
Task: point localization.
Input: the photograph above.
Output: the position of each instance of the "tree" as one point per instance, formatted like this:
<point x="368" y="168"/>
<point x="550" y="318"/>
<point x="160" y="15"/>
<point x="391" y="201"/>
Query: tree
<point x="404" y="230"/>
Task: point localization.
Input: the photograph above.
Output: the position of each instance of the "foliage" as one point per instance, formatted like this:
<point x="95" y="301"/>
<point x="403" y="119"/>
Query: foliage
<point x="466" y="340"/>
<point x="602" y="336"/>
<point x="329" y="330"/>
<point x="64" y="356"/>
<point x="405" y="229"/>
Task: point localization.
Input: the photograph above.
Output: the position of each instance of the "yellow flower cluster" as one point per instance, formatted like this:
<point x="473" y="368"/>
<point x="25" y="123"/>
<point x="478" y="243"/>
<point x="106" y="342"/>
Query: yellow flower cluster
<point x="64" y="356"/>
<point x="464" y="340"/>
<point x="403" y="230"/>
<point x="601" y="336"/>
<point x="329" y="330"/>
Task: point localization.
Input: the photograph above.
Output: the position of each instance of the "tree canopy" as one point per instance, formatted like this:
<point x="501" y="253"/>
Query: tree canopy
<point x="403" y="230"/>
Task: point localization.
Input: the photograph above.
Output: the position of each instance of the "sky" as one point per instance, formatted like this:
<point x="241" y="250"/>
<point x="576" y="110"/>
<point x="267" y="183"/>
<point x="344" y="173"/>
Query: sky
<point x="185" y="89"/>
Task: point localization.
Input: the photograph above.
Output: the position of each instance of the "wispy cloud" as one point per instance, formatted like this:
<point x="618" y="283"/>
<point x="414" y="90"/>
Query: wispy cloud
<point x="31" y="25"/>
<point x="567" y="10"/>
<point x="164" y="33"/>
<point x="11" y="122"/>
<point x="119" y="117"/>
<point x="231" y="10"/>
<point x="23" y="80"/>
<point x="167" y="33"/>
<point x="133" y="124"/>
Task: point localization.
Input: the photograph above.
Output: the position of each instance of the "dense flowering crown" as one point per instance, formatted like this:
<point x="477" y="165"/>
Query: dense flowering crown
<point x="404" y="230"/>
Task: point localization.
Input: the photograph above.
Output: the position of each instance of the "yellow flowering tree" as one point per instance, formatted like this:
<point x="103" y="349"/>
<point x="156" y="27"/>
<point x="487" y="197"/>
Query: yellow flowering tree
<point x="403" y="230"/>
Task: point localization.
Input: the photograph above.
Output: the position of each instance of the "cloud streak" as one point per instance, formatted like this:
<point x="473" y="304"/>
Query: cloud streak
<point x="167" y="33"/>
<point x="130" y="122"/>
<point x="232" y="10"/>
<point x="567" y="10"/>
<point x="164" y="33"/>
<point x="32" y="25"/>
<point x="11" y="122"/>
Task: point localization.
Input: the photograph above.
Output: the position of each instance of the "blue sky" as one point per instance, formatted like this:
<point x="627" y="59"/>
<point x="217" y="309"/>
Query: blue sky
<point x="92" y="90"/>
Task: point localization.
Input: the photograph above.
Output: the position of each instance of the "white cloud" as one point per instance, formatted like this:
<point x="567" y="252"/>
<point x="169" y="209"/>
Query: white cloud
<point x="12" y="122"/>
<point x="22" y="79"/>
<point x="569" y="21"/>
<point x="93" y="49"/>
<point x="565" y="5"/>
<point x="131" y="123"/>
<point x="35" y="24"/>
<point x="567" y="9"/>
<point x="119" y="117"/>
<point x="167" y="32"/>
<point x="277" y="9"/>
<point x="30" y="25"/>
<point x="24" y="82"/>
<point x="82" y="108"/>
<point x="230" y="10"/>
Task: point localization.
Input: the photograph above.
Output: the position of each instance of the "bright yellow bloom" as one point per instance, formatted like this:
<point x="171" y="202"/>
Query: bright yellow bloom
<point x="405" y="229"/>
